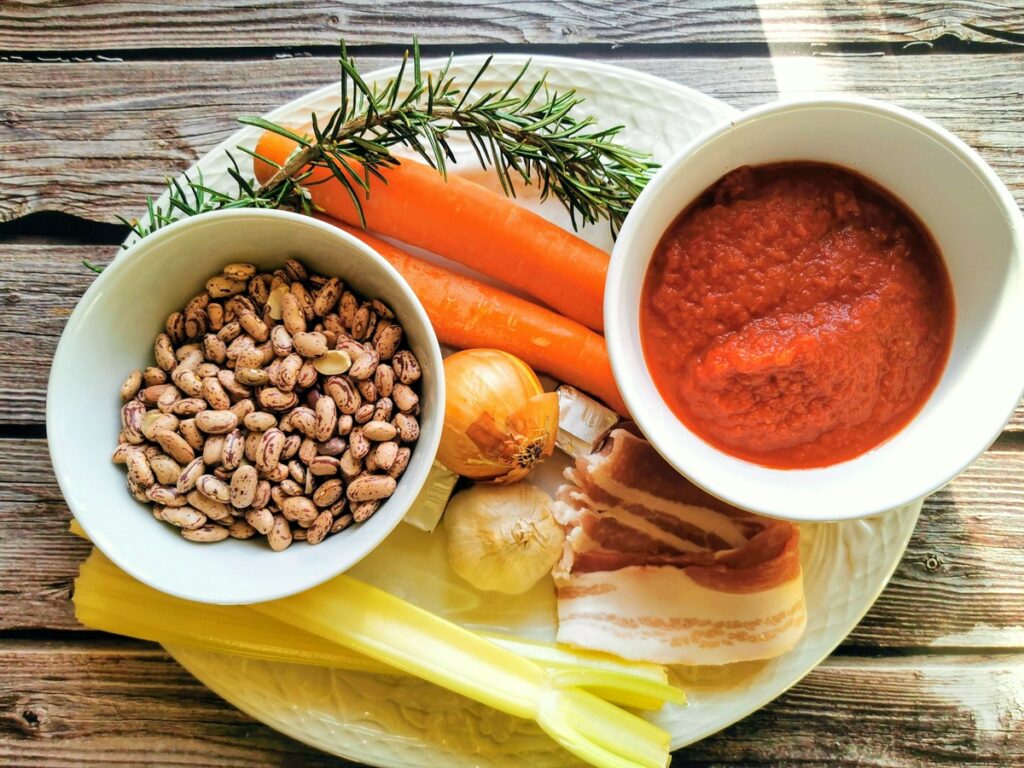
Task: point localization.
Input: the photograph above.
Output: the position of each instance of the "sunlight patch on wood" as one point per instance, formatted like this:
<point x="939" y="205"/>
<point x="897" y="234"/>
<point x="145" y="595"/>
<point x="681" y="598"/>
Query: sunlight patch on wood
<point x="799" y="75"/>
<point x="994" y="698"/>
<point x="983" y="636"/>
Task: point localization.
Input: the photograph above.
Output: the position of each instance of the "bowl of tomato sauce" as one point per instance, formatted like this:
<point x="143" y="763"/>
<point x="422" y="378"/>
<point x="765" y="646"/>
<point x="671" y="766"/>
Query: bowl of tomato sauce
<point x="812" y="311"/>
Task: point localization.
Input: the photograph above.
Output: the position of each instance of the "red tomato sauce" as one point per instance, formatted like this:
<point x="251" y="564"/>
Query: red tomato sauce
<point x="796" y="315"/>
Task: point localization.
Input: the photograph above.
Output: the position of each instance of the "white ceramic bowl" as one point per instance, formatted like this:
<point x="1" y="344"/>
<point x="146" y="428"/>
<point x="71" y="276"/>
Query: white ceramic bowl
<point x="111" y="332"/>
<point x="980" y="232"/>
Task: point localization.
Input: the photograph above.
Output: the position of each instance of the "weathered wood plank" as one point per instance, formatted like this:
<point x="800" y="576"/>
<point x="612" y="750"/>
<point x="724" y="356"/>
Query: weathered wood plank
<point x="958" y="586"/>
<point x="76" y="139"/>
<point x="125" y="703"/>
<point x="131" y="25"/>
<point x="39" y="287"/>
<point x="115" y="703"/>
<point x="38" y="557"/>
<point x="914" y="711"/>
<point x="126" y="141"/>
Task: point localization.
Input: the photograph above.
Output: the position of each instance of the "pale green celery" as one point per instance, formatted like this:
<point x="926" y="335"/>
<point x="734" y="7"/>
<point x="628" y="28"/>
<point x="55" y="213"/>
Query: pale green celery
<point x="108" y="599"/>
<point x="620" y="688"/>
<point x="567" y="657"/>
<point x="372" y="630"/>
<point x="391" y="630"/>
<point x="632" y="684"/>
<point x="426" y="511"/>
<point x="578" y="715"/>
<point x="384" y="627"/>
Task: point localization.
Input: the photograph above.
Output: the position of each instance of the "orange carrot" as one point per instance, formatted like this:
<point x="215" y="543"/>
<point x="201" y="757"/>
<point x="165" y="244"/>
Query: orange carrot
<point x="466" y="313"/>
<point x="469" y="224"/>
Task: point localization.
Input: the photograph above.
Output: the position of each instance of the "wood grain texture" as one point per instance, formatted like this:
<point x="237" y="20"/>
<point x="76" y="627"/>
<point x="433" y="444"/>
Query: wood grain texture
<point x="38" y="557"/>
<point x="959" y="584"/>
<point x="113" y="702"/>
<point x="913" y="711"/>
<point x="125" y="703"/>
<point x="39" y="287"/>
<point x="77" y="140"/>
<point x="132" y="25"/>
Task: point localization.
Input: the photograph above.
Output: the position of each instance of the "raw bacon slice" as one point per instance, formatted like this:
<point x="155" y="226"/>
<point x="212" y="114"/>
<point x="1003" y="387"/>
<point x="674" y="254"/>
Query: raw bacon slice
<point x="656" y="569"/>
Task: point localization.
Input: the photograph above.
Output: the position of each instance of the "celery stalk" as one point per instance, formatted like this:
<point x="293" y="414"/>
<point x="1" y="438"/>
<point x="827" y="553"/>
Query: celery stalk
<point x="382" y="626"/>
<point x="581" y="715"/>
<point x="108" y="599"/>
<point x="567" y="657"/>
<point x="629" y="683"/>
<point x="619" y="688"/>
<point x="391" y="630"/>
<point x="355" y="626"/>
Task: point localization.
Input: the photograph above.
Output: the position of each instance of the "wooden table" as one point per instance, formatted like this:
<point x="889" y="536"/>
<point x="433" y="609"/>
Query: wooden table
<point x="100" y="100"/>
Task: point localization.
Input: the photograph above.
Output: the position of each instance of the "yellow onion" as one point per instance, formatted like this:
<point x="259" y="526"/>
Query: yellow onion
<point x="498" y="420"/>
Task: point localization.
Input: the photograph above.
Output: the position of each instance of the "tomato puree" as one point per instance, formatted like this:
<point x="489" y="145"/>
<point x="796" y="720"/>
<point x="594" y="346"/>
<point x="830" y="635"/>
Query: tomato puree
<point x="796" y="315"/>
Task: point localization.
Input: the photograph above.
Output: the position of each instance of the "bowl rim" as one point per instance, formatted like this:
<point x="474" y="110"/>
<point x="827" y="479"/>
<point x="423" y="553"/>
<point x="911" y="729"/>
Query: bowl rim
<point x="93" y="294"/>
<point x="618" y="316"/>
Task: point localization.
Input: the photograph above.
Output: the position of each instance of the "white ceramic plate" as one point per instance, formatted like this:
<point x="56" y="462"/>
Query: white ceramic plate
<point x="398" y="721"/>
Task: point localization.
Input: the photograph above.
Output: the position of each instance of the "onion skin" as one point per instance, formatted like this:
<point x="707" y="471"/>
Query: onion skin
<point x="498" y="420"/>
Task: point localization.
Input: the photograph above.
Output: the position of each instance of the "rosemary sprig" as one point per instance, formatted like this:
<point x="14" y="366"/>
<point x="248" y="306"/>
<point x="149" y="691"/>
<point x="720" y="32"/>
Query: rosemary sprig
<point x="535" y="136"/>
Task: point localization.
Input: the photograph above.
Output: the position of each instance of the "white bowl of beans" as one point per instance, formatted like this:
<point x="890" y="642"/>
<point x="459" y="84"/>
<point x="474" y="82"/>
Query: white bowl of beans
<point x="281" y="398"/>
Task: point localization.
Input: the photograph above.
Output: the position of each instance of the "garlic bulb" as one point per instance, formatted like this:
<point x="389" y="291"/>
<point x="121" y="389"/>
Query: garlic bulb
<point x="502" y="538"/>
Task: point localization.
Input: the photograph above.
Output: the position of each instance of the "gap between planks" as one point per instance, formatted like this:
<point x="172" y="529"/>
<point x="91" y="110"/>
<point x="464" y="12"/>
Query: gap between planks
<point x="947" y="44"/>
